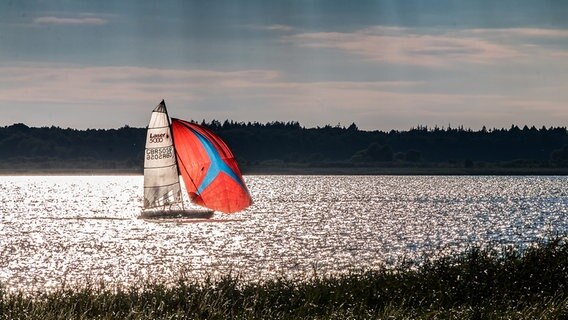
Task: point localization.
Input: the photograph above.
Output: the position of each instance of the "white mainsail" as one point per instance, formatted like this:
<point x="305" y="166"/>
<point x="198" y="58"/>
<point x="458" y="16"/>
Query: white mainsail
<point x="161" y="179"/>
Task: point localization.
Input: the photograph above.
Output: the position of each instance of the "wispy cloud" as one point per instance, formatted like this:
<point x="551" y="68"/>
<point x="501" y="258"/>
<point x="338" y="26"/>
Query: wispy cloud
<point x="79" y="95"/>
<point x="261" y="95"/>
<point x="521" y="32"/>
<point x="255" y="95"/>
<point x="438" y="48"/>
<point x="278" y="27"/>
<point x="408" y="46"/>
<point x="78" y="85"/>
<point x="83" y="20"/>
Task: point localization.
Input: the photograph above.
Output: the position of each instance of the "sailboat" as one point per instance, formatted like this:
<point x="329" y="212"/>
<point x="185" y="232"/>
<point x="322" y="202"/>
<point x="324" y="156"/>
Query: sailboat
<point x="207" y="166"/>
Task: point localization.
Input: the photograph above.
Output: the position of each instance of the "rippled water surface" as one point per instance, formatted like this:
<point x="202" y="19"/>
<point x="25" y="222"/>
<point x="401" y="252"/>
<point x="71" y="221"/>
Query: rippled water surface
<point x="66" y="229"/>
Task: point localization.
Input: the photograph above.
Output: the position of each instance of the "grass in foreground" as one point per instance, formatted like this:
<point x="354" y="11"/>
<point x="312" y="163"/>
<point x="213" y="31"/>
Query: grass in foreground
<point x="483" y="283"/>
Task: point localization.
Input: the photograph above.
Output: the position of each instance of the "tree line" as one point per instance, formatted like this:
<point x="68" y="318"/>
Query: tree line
<point x="281" y="143"/>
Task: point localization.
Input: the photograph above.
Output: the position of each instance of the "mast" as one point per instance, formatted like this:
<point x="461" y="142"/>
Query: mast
<point x="173" y="146"/>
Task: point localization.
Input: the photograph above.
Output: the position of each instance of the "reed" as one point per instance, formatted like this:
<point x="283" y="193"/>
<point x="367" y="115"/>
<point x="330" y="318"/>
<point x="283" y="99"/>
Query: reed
<point x="482" y="283"/>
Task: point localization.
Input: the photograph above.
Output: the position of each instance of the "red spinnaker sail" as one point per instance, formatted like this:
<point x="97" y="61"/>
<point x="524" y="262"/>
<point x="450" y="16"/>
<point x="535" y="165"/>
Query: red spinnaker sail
<point x="209" y="169"/>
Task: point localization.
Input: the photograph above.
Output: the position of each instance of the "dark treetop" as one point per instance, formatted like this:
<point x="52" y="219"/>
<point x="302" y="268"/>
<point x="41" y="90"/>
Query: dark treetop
<point x="279" y="144"/>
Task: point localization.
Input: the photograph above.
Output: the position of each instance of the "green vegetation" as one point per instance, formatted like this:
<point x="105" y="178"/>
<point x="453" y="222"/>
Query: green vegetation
<point x="483" y="283"/>
<point x="275" y="147"/>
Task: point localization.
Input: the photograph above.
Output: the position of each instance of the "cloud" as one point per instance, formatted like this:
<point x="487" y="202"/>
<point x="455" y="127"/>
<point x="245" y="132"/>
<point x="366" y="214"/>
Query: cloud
<point x="279" y="27"/>
<point x="431" y="47"/>
<point x="83" y="97"/>
<point x="521" y="32"/>
<point x="84" y="20"/>
<point x="78" y="85"/>
<point x="124" y="92"/>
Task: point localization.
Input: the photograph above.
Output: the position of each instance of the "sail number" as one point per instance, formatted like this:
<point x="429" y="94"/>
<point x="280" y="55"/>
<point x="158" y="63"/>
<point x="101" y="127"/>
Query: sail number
<point x="159" y="153"/>
<point x="159" y="137"/>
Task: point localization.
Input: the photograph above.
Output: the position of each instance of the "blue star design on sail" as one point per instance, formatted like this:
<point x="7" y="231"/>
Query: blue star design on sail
<point x="217" y="165"/>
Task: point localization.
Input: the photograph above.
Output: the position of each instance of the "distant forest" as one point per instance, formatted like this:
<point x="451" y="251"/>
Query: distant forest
<point x="288" y="144"/>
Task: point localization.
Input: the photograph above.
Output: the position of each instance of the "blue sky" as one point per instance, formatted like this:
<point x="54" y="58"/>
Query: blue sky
<point x="384" y="64"/>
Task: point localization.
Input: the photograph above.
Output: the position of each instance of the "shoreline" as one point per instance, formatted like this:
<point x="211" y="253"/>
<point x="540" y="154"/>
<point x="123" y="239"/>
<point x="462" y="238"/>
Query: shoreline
<point x="293" y="170"/>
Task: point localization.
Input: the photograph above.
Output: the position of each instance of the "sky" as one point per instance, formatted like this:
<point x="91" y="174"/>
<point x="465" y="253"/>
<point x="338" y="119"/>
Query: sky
<point x="383" y="64"/>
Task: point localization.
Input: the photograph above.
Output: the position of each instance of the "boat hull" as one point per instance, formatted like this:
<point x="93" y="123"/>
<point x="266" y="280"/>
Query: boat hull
<point x="169" y="214"/>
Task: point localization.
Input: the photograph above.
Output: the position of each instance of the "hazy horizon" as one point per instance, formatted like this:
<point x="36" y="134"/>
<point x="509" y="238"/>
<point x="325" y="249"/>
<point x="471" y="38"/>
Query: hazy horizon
<point x="341" y="125"/>
<point x="381" y="64"/>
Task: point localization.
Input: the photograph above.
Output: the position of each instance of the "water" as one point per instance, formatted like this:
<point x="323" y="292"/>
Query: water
<point x="56" y="230"/>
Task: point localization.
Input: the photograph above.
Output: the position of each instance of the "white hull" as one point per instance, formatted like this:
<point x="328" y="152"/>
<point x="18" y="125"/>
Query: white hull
<point x="168" y="214"/>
